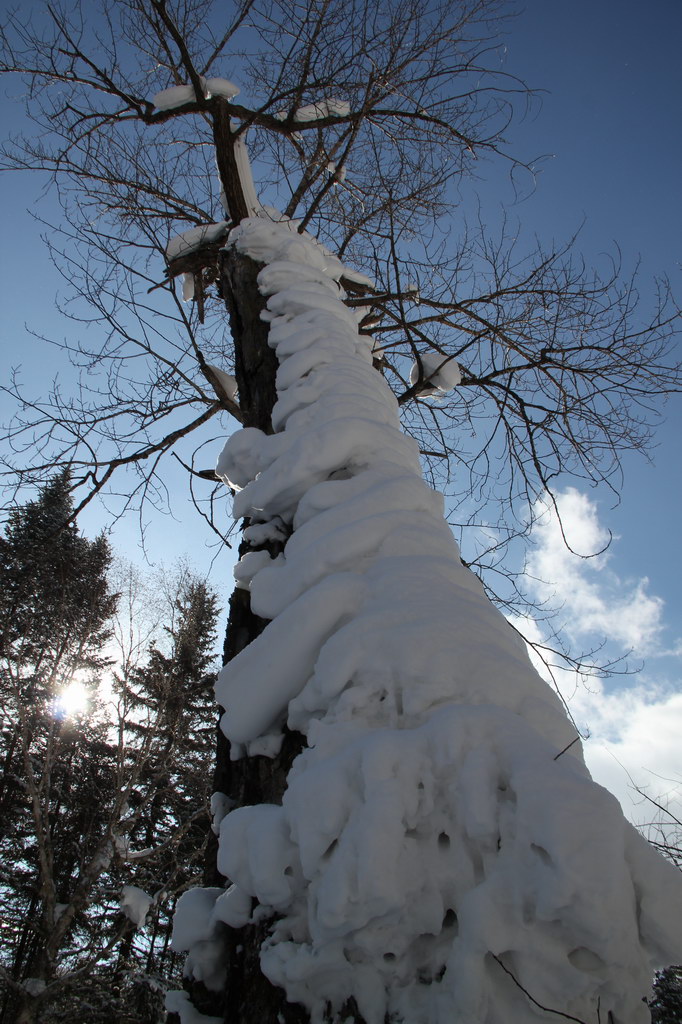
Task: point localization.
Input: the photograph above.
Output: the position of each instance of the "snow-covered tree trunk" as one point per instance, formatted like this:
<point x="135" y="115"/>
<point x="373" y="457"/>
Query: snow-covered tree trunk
<point x="438" y="852"/>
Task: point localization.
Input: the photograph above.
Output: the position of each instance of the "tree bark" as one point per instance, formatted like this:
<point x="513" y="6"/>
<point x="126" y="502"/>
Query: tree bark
<point x="249" y="998"/>
<point x="223" y="140"/>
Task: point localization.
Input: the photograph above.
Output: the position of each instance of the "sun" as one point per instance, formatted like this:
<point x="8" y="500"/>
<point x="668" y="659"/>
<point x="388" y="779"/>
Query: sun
<point x="73" y="700"/>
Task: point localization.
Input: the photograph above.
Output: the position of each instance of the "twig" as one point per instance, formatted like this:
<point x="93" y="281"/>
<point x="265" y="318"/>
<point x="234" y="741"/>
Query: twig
<point x="545" y="1009"/>
<point x="567" y="747"/>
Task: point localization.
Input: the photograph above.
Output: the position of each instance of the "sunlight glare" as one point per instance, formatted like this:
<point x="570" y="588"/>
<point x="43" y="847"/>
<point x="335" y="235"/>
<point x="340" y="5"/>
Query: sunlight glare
<point x="73" y="700"/>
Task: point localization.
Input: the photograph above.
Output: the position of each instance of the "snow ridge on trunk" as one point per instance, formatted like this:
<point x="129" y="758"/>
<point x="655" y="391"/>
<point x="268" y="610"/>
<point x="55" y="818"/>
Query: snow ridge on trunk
<point x="438" y="857"/>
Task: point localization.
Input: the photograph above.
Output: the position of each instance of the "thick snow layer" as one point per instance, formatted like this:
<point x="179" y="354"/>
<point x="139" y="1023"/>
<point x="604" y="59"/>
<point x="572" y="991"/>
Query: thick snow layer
<point x="221" y="803"/>
<point x="315" y="111"/>
<point x="276" y="666"/>
<point x="241" y="158"/>
<point x="220" y="87"/>
<point x="192" y="922"/>
<point x="268" y="238"/>
<point x="135" y="904"/>
<point x="442" y="372"/>
<point x="260" y="533"/>
<point x="194" y="931"/>
<point x="247" y="567"/>
<point x="178" y="95"/>
<point x="34" y="986"/>
<point x="438" y="850"/>
<point x="233" y="907"/>
<point x="178" y="1002"/>
<point x="226" y="380"/>
<point x="194" y="238"/>
<point x="175" y="96"/>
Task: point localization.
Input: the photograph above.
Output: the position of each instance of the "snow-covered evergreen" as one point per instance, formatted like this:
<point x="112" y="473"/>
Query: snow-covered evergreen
<point x="441" y="854"/>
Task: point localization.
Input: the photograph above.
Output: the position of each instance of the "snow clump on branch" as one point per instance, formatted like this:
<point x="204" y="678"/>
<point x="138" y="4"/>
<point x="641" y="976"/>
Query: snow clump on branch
<point x="440" y="372"/>
<point x="179" y="95"/>
<point x="441" y="853"/>
<point x="315" y="111"/>
<point x="135" y="904"/>
<point x="193" y="239"/>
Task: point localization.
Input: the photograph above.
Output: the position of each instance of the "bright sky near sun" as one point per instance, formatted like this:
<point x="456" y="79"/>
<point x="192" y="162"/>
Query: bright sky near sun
<point x="73" y="699"/>
<point x="612" y="77"/>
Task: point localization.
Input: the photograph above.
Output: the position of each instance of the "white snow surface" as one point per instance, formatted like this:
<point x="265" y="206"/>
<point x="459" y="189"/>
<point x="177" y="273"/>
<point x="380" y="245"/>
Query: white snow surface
<point x="194" y="238"/>
<point x="314" y="111"/>
<point x="221" y="87"/>
<point x="192" y="922"/>
<point x="178" y="1002"/>
<point x="438" y="850"/>
<point x="34" y="986"/>
<point x="241" y="157"/>
<point x="221" y="803"/>
<point x="175" y="96"/>
<point x="187" y="287"/>
<point x="178" y="95"/>
<point x="442" y="372"/>
<point x="226" y="380"/>
<point x="135" y="904"/>
<point x="194" y="932"/>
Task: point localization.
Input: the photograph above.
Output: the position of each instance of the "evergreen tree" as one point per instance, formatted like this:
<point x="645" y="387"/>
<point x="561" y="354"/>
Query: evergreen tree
<point x="171" y="720"/>
<point x="92" y="803"/>
<point x="166" y="735"/>
<point x="55" y="611"/>
<point x="55" y="605"/>
<point x="666" y="1005"/>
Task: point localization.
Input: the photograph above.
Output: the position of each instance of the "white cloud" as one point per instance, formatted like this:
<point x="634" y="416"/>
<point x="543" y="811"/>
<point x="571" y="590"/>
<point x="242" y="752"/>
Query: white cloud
<point x="634" y="743"/>
<point x="634" y="722"/>
<point x="594" y="600"/>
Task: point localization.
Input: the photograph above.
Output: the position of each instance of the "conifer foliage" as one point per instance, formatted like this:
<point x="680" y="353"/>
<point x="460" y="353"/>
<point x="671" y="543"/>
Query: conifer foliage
<point x="55" y="604"/>
<point x="104" y="801"/>
<point x="55" y="612"/>
<point x="666" y="1006"/>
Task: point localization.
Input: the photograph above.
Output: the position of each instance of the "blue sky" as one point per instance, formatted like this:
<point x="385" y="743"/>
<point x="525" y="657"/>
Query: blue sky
<point x="607" y="120"/>
<point x="613" y="78"/>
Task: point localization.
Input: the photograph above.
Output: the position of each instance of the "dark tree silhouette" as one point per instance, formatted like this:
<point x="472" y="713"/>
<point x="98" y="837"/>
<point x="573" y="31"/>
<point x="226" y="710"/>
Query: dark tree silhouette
<point x="115" y="793"/>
